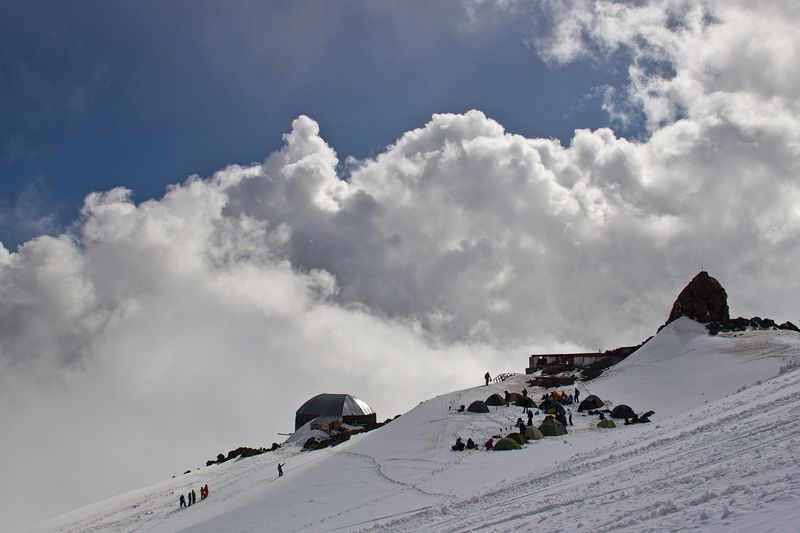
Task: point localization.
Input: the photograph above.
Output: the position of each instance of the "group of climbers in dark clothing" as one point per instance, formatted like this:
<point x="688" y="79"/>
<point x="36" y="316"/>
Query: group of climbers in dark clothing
<point x="459" y="445"/>
<point x="636" y="419"/>
<point x="191" y="497"/>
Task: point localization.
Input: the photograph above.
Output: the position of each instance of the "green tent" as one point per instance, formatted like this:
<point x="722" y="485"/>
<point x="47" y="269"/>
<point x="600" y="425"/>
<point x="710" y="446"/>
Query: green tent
<point x="507" y="444"/>
<point x="477" y="407"/>
<point x="608" y="424"/>
<point x="516" y="437"/>
<point x="556" y="407"/>
<point x="622" y="411"/>
<point x="525" y="402"/>
<point x="552" y="428"/>
<point x="533" y="433"/>
<point x="495" y="400"/>
<point x="591" y="402"/>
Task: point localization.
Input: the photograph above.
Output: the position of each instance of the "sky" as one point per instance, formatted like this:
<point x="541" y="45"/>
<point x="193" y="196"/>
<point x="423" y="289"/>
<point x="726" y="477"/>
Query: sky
<point x="210" y="213"/>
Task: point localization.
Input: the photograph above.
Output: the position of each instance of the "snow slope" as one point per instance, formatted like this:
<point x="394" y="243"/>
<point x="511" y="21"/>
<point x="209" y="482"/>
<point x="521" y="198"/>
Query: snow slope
<point x="718" y="456"/>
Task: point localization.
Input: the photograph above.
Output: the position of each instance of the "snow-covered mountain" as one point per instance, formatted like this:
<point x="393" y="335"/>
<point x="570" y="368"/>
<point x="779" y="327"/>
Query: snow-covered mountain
<point x="719" y="455"/>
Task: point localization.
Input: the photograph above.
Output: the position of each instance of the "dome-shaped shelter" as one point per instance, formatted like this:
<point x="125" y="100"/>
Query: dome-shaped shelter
<point x="607" y="424"/>
<point x="525" y="402"/>
<point x="622" y="411"/>
<point x="552" y="428"/>
<point x="591" y="402"/>
<point x="516" y="437"/>
<point x="552" y="407"/>
<point x="349" y="408"/>
<point x="477" y="407"/>
<point x="495" y="400"/>
<point x="506" y="444"/>
<point x="533" y="433"/>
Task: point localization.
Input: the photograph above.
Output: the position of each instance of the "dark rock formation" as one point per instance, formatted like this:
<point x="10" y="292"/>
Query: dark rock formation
<point x="788" y="325"/>
<point x="744" y="324"/>
<point x="703" y="300"/>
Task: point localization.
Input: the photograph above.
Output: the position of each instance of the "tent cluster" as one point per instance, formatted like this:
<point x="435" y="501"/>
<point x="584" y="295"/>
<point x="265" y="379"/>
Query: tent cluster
<point x="555" y="423"/>
<point x="514" y="440"/>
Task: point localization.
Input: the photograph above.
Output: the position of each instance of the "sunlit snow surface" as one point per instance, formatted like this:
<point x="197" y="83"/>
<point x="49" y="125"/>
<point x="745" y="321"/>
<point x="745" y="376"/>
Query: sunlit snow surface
<point x="720" y="455"/>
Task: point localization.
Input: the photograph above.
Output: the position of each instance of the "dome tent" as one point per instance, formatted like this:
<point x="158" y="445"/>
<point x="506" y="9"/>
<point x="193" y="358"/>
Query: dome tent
<point x="607" y="424"/>
<point x="506" y="444"/>
<point x="477" y="407"/>
<point x="591" y="402"/>
<point x="533" y="433"/>
<point x="622" y="411"/>
<point x="525" y="402"/>
<point x="548" y="404"/>
<point x="516" y="437"/>
<point x="495" y="400"/>
<point x="552" y="428"/>
<point x="351" y="409"/>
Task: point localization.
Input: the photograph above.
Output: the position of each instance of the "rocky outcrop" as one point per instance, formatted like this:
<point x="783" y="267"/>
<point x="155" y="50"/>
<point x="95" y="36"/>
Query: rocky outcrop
<point x="744" y="324"/>
<point x="242" y="451"/>
<point x="703" y="300"/>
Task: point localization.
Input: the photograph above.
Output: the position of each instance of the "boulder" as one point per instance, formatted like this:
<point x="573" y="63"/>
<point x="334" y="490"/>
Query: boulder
<point x="788" y="325"/>
<point x="703" y="299"/>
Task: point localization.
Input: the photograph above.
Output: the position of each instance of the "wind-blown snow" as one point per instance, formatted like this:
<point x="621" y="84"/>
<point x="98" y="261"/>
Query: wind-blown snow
<point x="719" y="455"/>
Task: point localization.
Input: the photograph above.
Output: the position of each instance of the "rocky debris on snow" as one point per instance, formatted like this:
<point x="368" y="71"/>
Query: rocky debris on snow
<point x="549" y="382"/>
<point x="595" y="369"/>
<point x="313" y="444"/>
<point x="744" y="324"/>
<point x="242" y="451"/>
<point x="703" y="299"/>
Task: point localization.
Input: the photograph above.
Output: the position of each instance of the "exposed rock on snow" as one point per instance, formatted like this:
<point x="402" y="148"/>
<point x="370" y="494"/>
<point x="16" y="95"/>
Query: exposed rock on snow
<point x="703" y="299"/>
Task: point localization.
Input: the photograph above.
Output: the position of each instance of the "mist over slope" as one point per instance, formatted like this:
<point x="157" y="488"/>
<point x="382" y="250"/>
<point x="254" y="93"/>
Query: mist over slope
<point x="717" y="456"/>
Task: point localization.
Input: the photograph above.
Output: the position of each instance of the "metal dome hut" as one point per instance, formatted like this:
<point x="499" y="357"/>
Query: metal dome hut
<point x="350" y="409"/>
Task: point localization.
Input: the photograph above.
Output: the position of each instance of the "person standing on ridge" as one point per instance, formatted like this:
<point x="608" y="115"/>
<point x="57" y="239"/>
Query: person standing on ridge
<point x="577" y="393"/>
<point x="194" y="496"/>
<point x="280" y="469"/>
<point x="487" y="377"/>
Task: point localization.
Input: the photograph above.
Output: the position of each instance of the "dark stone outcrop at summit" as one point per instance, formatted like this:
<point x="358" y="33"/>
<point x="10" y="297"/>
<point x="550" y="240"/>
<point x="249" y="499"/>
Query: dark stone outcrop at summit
<point x="703" y="299"/>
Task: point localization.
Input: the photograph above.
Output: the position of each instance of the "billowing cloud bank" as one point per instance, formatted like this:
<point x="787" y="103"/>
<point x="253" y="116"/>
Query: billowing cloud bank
<point x="155" y="335"/>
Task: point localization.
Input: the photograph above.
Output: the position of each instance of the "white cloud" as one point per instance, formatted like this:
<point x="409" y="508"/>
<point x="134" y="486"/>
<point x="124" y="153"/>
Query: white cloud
<point x="162" y="333"/>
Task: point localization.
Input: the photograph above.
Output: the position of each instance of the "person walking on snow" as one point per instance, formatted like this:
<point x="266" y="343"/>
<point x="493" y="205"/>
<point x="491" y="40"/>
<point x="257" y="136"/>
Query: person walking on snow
<point x="487" y="377"/>
<point x="183" y="501"/>
<point x="194" y="496"/>
<point x="530" y="417"/>
<point x="570" y="417"/>
<point x="508" y="397"/>
<point x="577" y="393"/>
<point x="280" y="469"/>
